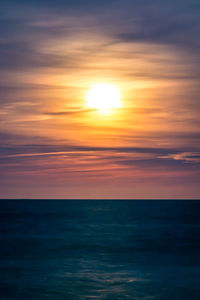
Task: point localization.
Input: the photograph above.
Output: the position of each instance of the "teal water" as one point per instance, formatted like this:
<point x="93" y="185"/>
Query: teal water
<point x="99" y="250"/>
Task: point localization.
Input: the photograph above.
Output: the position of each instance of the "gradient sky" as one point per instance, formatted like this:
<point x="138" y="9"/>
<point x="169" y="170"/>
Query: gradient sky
<point x="53" y="145"/>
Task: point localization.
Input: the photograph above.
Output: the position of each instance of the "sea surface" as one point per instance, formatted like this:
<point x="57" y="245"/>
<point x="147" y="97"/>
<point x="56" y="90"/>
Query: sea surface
<point x="99" y="249"/>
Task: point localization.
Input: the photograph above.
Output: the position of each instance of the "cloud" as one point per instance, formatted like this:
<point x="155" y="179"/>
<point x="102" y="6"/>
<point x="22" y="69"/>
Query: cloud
<point x="171" y="22"/>
<point x="69" y="112"/>
<point x="120" y="155"/>
<point x="189" y="157"/>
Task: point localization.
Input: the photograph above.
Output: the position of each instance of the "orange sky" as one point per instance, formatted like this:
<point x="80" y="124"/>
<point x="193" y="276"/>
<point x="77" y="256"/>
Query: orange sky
<point x="54" y="146"/>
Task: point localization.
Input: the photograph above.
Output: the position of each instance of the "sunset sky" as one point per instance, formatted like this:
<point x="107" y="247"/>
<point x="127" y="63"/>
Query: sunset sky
<point x="53" y="145"/>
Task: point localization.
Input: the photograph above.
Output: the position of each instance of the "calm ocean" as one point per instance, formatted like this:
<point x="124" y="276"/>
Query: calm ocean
<point x="101" y="249"/>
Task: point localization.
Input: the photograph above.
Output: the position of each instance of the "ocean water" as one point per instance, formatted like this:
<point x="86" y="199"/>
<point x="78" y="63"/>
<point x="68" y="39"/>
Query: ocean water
<point x="110" y="250"/>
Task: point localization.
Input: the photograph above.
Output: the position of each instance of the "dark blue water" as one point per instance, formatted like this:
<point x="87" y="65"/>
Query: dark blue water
<point x="100" y="250"/>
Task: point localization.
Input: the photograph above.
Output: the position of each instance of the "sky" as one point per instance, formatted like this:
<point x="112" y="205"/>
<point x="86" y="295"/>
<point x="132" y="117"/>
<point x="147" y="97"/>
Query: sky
<point x="52" y="145"/>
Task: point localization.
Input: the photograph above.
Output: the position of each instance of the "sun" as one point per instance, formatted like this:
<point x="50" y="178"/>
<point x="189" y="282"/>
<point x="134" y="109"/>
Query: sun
<point x="104" y="97"/>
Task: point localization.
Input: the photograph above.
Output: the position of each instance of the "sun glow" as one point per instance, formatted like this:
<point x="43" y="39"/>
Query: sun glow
<point x="104" y="97"/>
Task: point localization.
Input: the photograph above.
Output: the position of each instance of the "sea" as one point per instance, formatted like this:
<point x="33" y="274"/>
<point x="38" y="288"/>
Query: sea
<point x="99" y="249"/>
